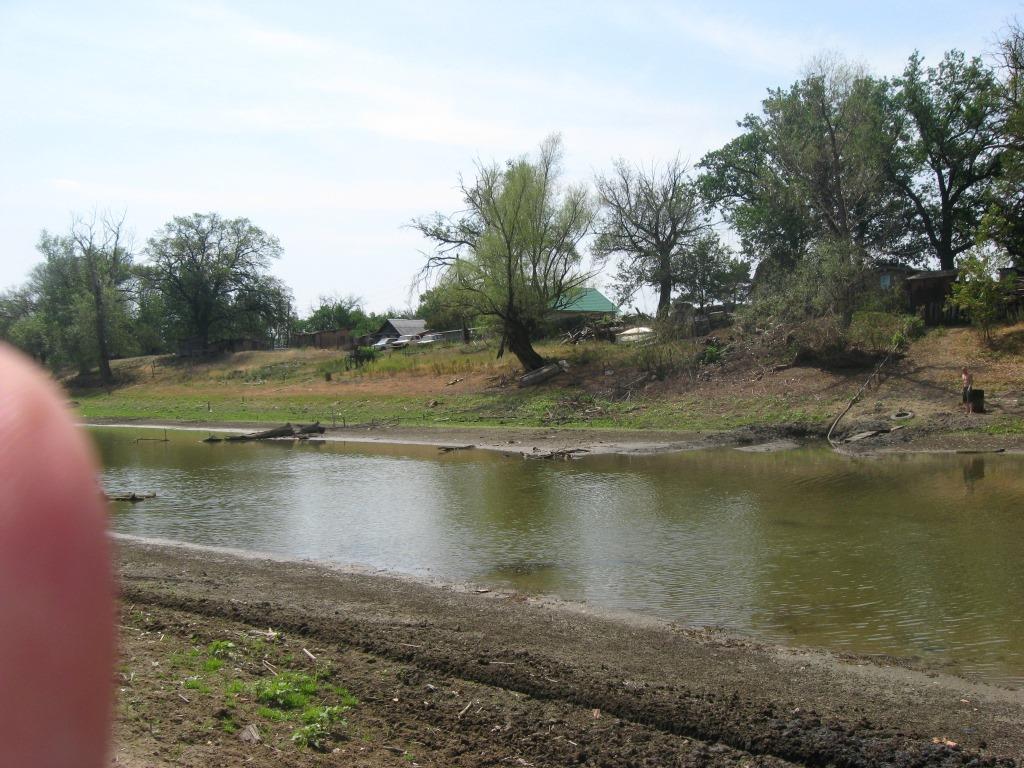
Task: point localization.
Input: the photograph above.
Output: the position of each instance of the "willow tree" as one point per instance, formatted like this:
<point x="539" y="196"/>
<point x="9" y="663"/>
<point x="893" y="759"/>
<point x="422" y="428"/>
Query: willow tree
<point x="513" y="253"/>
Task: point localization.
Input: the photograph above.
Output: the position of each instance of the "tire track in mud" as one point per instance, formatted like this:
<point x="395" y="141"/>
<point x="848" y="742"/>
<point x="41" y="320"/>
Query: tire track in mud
<point x="758" y="728"/>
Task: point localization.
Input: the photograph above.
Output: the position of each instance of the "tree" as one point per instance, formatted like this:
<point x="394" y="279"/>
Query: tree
<point x="947" y="127"/>
<point x="809" y="169"/>
<point x="514" y="251"/>
<point x="106" y="266"/>
<point x="211" y="273"/>
<point x="979" y="293"/>
<point x="649" y="217"/>
<point x="708" y="273"/>
<point x="334" y="312"/>
<point x="82" y="295"/>
<point x="21" y="323"/>
<point x="444" y="307"/>
<point x="1004" y="221"/>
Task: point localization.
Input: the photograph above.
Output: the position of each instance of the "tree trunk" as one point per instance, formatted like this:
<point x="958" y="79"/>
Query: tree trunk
<point x="664" y="298"/>
<point x="103" y="347"/>
<point x="518" y="340"/>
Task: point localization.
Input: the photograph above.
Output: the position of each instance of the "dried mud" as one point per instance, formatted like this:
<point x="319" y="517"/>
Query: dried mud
<point x="450" y="676"/>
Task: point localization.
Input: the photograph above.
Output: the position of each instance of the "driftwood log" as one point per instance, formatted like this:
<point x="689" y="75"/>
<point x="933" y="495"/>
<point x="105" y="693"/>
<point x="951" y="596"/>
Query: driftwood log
<point x="132" y="497"/>
<point x="300" y="431"/>
<point x="540" y="375"/>
<point x="286" y="431"/>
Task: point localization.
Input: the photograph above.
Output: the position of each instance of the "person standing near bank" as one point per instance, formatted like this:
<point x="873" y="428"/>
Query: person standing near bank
<point x="967" y="382"/>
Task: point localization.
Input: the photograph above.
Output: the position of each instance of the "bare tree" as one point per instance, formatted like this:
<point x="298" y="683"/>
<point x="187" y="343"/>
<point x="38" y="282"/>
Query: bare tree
<point x="102" y="247"/>
<point x="650" y="217"/>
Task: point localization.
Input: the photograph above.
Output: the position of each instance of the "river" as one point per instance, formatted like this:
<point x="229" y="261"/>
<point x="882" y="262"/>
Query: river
<point x="908" y="555"/>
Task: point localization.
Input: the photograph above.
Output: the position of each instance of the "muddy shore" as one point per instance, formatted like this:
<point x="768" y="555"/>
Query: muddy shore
<point x="452" y="676"/>
<point x="945" y="435"/>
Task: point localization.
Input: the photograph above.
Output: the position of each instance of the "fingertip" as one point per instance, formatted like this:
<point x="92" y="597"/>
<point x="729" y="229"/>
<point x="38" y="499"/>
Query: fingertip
<point x="56" y="584"/>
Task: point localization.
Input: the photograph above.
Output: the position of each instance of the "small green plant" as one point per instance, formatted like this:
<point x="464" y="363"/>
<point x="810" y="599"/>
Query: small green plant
<point x="221" y="649"/>
<point x="286" y="690"/>
<point x="711" y="354"/>
<point x="270" y="713"/>
<point x="319" y="723"/>
<point x="212" y="665"/>
<point x="197" y="684"/>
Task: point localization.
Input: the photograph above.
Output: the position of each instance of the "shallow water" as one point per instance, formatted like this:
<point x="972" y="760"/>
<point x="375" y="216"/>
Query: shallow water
<point x="917" y="555"/>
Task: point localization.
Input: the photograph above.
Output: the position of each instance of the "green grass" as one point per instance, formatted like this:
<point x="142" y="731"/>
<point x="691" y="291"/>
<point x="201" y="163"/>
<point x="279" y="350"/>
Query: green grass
<point x="512" y="408"/>
<point x="267" y="387"/>
<point x="1006" y="426"/>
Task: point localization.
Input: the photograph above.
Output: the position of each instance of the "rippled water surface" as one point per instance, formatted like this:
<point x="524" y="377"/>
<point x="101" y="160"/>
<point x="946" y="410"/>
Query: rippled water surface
<point x="918" y="555"/>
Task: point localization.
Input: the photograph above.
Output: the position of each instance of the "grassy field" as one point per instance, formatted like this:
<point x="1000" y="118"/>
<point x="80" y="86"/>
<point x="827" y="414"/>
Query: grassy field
<point x="688" y="386"/>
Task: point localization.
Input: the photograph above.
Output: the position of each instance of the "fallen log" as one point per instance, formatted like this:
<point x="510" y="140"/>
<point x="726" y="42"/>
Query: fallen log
<point x="286" y="431"/>
<point x="565" y="455"/>
<point x="311" y="429"/>
<point x="133" y="497"/>
<point x="540" y="375"/>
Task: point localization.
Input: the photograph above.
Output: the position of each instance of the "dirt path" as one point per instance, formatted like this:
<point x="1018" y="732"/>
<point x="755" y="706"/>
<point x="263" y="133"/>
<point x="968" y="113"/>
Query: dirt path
<point x="449" y="676"/>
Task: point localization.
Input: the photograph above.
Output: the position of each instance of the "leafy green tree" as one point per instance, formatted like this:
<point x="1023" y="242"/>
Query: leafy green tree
<point x="809" y="169"/>
<point x="947" y="153"/>
<point x="514" y="251"/>
<point x="334" y="312"/>
<point x="979" y="293"/>
<point x="708" y="273"/>
<point x="648" y="218"/>
<point x="444" y="308"/>
<point x="1004" y="220"/>
<point x="106" y="261"/>
<point x="21" y="323"/>
<point x="769" y="214"/>
<point x="212" y="275"/>
<point x="82" y="289"/>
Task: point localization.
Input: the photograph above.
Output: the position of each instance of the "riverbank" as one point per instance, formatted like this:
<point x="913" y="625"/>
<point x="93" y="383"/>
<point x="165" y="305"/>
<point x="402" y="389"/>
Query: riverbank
<point x="454" y="676"/>
<point x="565" y="442"/>
<point x="611" y="393"/>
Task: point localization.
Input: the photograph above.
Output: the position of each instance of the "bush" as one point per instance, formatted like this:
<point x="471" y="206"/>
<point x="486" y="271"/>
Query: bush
<point x="664" y="359"/>
<point x="978" y="293"/>
<point x="883" y="331"/>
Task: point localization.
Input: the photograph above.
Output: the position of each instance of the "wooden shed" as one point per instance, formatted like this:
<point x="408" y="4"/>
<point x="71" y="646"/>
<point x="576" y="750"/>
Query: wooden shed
<point x="927" y="293"/>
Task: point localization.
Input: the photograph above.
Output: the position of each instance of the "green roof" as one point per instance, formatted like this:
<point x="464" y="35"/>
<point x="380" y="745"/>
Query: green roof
<point x="589" y="300"/>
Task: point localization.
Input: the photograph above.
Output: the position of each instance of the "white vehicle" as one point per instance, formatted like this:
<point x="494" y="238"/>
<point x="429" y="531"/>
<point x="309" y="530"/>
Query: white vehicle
<point x="430" y="338"/>
<point x="381" y="344"/>
<point x="402" y="341"/>
<point x="637" y="335"/>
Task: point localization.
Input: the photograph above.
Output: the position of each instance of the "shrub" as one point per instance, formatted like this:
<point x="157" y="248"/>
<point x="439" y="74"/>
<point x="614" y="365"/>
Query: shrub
<point x="883" y="331"/>
<point x="978" y="293"/>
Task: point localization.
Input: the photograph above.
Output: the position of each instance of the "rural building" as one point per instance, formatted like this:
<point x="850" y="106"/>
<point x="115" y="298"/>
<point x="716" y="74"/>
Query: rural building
<point x="398" y="326"/>
<point x="589" y="304"/>
<point x="338" y="338"/>
<point x="927" y="293"/>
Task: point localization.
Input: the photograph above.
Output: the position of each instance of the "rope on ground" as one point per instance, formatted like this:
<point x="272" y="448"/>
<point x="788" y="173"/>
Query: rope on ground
<point x="857" y="396"/>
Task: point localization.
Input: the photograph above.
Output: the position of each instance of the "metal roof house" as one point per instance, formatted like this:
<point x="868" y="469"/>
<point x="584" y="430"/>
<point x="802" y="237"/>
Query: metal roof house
<point x="397" y="326"/>
<point x="589" y="302"/>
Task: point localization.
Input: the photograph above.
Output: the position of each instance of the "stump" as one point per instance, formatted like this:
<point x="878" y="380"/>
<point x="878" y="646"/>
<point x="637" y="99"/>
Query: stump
<point x="976" y="397"/>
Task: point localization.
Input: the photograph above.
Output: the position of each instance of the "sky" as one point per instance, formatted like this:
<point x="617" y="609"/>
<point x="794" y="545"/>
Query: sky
<point x="333" y="124"/>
